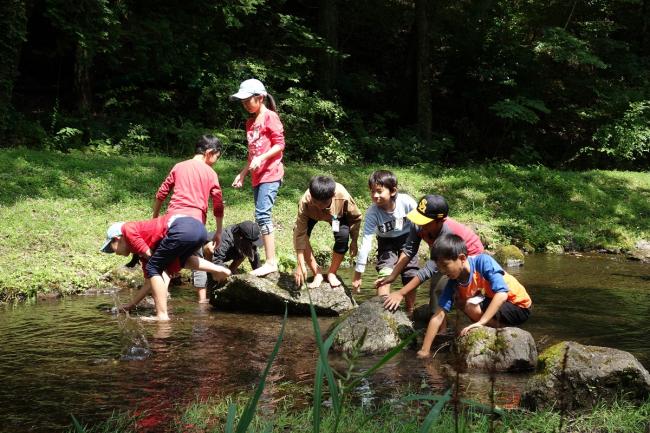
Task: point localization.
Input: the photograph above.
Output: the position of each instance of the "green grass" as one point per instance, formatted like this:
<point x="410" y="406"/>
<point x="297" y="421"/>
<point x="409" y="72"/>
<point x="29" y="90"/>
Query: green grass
<point x="280" y="416"/>
<point x="55" y="208"/>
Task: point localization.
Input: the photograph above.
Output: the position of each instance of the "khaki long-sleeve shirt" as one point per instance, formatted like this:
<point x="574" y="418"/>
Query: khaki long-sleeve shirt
<point x="343" y="206"/>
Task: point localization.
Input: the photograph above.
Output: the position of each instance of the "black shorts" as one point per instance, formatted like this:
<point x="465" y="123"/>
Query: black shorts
<point x="508" y="314"/>
<point x="341" y="238"/>
<point x="388" y="251"/>
<point x="184" y="236"/>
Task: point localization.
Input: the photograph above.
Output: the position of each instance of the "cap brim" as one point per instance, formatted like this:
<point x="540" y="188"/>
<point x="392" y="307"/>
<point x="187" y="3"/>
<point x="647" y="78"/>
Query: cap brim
<point x="106" y="248"/>
<point x="417" y="218"/>
<point x="258" y="242"/>
<point x="240" y="95"/>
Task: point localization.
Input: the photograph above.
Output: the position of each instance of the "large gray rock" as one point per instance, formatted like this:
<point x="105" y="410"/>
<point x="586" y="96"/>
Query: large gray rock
<point x="509" y="255"/>
<point x="384" y="330"/>
<point x="504" y="349"/>
<point x="269" y="294"/>
<point x="571" y="375"/>
<point x="641" y="251"/>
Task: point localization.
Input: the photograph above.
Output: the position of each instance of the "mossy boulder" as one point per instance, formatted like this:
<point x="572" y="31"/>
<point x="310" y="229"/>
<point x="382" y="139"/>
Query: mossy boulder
<point x="504" y="349"/>
<point x="383" y="329"/>
<point x="509" y="255"/>
<point x="248" y="293"/>
<point x="572" y="376"/>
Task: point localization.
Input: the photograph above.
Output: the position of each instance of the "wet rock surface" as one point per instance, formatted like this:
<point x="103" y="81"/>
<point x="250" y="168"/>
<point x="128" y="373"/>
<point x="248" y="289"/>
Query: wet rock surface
<point x="247" y="293"/>
<point x="571" y="376"/>
<point x="383" y="329"/>
<point x="504" y="350"/>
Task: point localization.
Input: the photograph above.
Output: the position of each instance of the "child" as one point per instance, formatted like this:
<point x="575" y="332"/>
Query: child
<point x="387" y="219"/>
<point x="194" y="182"/>
<point x="325" y="200"/>
<point x="430" y="221"/>
<point x="265" y="136"/>
<point x="239" y="241"/>
<point x="164" y="244"/>
<point x="482" y="290"/>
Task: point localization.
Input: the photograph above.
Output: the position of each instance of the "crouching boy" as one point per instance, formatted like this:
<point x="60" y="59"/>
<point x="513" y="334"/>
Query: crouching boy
<point x="481" y="288"/>
<point x="164" y="244"/>
<point x="328" y="201"/>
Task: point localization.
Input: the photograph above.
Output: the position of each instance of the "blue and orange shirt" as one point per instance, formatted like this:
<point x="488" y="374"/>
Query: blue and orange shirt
<point x="486" y="277"/>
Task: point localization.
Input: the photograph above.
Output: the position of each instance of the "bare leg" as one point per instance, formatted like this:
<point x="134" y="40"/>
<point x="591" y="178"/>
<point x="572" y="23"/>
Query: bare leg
<point x="474" y="312"/>
<point x="383" y="290"/>
<point x="337" y="259"/>
<point x="271" y="264"/>
<point x="219" y="273"/>
<point x="202" y="293"/>
<point x="409" y="302"/>
<point x="159" y="292"/>
<point x="313" y="266"/>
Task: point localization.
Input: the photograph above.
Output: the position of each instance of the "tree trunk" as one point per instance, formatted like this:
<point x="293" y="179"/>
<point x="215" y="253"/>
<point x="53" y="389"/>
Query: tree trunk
<point x="328" y="27"/>
<point x="13" y="22"/>
<point x="82" y="66"/>
<point x="645" y="16"/>
<point x="423" y="70"/>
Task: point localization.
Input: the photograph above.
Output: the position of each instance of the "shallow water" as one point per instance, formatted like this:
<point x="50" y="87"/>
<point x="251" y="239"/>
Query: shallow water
<point x="72" y="357"/>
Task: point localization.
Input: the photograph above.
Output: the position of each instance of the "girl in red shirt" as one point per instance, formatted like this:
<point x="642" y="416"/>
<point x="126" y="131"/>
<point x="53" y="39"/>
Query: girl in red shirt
<point x="265" y="136"/>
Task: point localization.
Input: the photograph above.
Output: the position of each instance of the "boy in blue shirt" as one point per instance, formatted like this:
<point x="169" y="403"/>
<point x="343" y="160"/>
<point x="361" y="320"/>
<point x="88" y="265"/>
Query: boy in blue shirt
<point x="480" y="287"/>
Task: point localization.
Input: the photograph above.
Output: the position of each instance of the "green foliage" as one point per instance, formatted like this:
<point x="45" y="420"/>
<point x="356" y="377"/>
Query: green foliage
<point x="563" y="47"/>
<point x="520" y="109"/>
<point x="628" y="137"/>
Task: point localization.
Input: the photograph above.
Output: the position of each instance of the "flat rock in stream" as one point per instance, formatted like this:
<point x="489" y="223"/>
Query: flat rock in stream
<point x="383" y="329"/>
<point x="572" y="376"/>
<point x="248" y="293"/>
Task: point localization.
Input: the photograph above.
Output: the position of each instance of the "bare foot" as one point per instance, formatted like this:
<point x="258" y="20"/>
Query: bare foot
<point x="204" y="301"/>
<point x="333" y="280"/>
<point x="423" y="354"/>
<point x="318" y="280"/>
<point x="163" y="318"/>
<point x="221" y="274"/>
<point x="265" y="269"/>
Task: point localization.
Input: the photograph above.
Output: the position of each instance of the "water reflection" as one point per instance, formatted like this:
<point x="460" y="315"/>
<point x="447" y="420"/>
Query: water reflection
<point x="74" y="357"/>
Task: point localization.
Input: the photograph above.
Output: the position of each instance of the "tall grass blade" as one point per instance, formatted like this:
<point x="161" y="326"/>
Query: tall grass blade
<point x="249" y="411"/>
<point x="230" y="419"/>
<point x="323" y="369"/>
<point x="78" y="428"/>
<point x="434" y="413"/>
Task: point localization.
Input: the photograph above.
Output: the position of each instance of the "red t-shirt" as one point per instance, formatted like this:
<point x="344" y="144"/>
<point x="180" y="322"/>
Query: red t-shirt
<point x="261" y="137"/>
<point x="193" y="182"/>
<point x="146" y="235"/>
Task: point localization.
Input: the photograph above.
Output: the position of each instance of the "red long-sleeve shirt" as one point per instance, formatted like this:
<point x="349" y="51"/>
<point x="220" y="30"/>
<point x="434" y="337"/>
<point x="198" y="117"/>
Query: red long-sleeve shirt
<point x="193" y="182"/>
<point x="146" y="235"/>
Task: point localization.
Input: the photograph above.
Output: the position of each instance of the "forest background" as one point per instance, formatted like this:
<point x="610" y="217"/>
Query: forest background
<point x="564" y="84"/>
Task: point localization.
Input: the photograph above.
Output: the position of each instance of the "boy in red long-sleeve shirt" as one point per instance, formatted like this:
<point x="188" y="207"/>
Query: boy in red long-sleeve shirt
<point x="164" y="244"/>
<point x="193" y="183"/>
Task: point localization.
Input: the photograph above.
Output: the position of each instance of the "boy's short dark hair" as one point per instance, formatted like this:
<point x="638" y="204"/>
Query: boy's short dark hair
<point x="208" y="143"/>
<point x="322" y="188"/>
<point x="449" y="247"/>
<point x="383" y="178"/>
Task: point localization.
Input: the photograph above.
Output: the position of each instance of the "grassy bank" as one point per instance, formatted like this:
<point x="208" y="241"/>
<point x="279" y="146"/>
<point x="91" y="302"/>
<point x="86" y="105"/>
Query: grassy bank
<point x="210" y="416"/>
<point x="55" y="208"/>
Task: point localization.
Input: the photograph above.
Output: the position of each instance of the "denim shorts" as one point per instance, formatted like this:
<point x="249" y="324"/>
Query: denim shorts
<point x="265" y="194"/>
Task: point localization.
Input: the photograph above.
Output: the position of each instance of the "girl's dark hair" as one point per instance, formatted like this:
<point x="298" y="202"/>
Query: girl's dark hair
<point x="384" y="178"/>
<point x="448" y="246"/>
<point x="270" y="103"/>
<point x="322" y="188"/>
<point x="208" y="142"/>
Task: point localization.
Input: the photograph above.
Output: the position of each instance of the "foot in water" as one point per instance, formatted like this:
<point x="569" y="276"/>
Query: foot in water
<point x="155" y="318"/>
<point x="265" y="269"/>
<point x="318" y="280"/>
<point x="333" y="280"/>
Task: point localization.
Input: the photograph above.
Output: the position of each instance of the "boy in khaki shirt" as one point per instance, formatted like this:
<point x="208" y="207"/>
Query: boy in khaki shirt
<point x="328" y="201"/>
